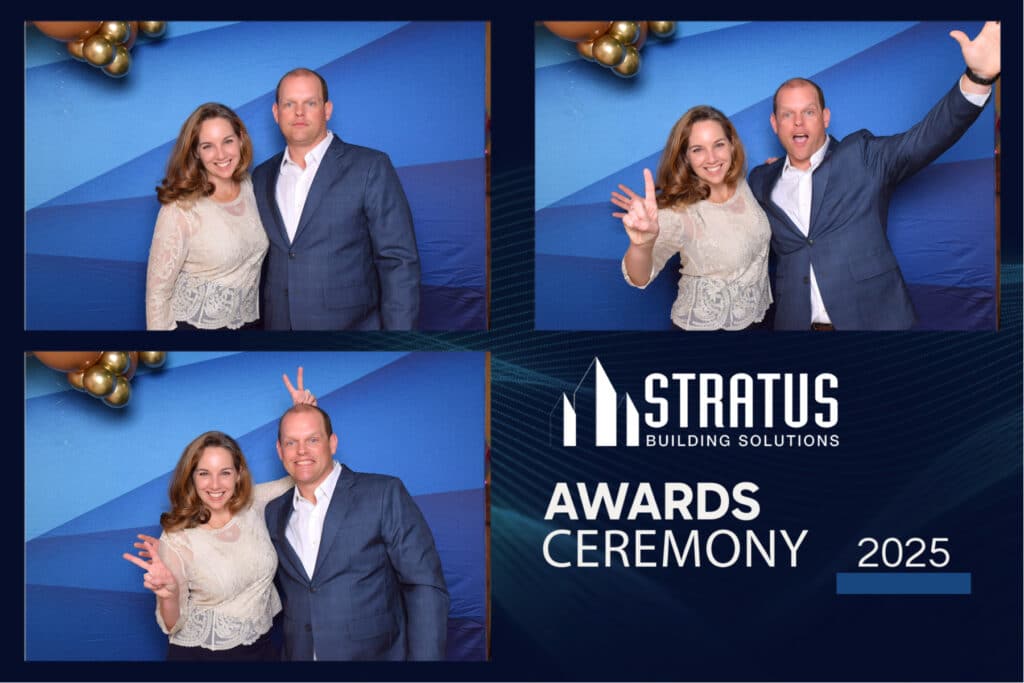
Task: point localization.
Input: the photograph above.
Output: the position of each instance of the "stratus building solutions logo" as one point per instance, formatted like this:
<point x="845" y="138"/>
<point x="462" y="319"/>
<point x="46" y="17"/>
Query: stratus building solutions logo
<point x="605" y="413"/>
<point x="691" y="409"/>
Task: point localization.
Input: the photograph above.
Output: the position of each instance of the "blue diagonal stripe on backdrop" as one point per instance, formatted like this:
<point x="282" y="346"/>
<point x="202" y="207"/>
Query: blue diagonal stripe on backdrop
<point x="117" y="230"/>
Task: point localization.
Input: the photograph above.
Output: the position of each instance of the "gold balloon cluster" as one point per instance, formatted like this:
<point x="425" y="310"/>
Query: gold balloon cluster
<point x="613" y="44"/>
<point x="102" y="374"/>
<point x="104" y="44"/>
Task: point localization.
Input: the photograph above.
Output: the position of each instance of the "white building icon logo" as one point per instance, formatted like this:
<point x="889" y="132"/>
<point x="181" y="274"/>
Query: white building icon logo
<point x="605" y="412"/>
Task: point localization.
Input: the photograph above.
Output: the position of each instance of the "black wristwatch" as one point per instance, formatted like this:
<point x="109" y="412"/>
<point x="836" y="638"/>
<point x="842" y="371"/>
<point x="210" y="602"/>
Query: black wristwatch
<point x="978" y="79"/>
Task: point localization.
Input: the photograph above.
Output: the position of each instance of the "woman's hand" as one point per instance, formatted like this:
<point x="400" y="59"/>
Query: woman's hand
<point x="640" y="217"/>
<point x="158" y="577"/>
<point x="299" y="395"/>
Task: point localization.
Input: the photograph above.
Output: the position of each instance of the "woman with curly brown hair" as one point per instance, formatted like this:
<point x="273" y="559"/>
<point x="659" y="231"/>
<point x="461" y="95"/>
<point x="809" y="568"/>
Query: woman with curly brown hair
<point x="213" y="568"/>
<point x="208" y="244"/>
<point x="702" y="209"/>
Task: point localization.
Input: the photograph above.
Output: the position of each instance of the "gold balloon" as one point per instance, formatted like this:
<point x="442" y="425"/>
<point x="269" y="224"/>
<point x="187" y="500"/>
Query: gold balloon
<point x="68" y="361"/>
<point x="662" y="29"/>
<point x="643" y="35"/>
<point x="585" y="48"/>
<point x="626" y="32"/>
<point x="115" y="361"/>
<point x="122" y="62"/>
<point x="120" y="395"/>
<point x="577" y="30"/>
<point x="66" y="31"/>
<point x="609" y="51"/>
<point x="97" y="50"/>
<point x="153" y="29"/>
<point x="116" y="32"/>
<point x="99" y="381"/>
<point x="133" y="358"/>
<point x="133" y="33"/>
<point x="630" y="63"/>
<point x="152" y="359"/>
<point x="75" y="380"/>
<point x="75" y="48"/>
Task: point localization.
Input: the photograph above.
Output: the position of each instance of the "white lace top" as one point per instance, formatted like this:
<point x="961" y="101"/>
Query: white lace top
<point x="204" y="263"/>
<point x="723" y="251"/>
<point x="225" y="577"/>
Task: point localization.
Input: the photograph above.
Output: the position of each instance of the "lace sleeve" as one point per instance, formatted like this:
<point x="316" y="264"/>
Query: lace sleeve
<point x="266" y="492"/>
<point x="175" y="559"/>
<point x="166" y="256"/>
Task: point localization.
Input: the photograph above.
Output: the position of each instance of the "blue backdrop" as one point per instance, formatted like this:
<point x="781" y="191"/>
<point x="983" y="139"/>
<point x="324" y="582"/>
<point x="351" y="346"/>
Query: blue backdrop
<point x="99" y="146"/>
<point x="594" y="130"/>
<point x="96" y="476"/>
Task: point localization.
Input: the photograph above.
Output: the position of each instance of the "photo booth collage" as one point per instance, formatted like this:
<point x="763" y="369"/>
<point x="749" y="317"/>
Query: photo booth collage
<point x="703" y="365"/>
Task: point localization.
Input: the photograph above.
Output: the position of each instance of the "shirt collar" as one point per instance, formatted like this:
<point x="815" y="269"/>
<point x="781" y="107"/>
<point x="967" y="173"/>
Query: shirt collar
<point x="313" y="156"/>
<point x="815" y="158"/>
<point x="324" y="491"/>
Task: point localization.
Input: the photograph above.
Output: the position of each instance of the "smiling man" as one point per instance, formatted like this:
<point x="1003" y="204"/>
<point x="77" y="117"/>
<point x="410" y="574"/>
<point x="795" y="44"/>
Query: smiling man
<point x="343" y="252"/>
<point x="827" y="199"/>
<point x="358" y="570"/>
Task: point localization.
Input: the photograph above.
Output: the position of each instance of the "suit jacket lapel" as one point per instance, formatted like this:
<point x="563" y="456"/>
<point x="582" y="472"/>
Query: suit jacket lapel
<point x="339" y="508"/>
<point x="278" y="529"/>
<point x="270" y="196"/>
<point x="325" y="176"/>
<point x="819" y="184"/>
<point x="773" y="180"/>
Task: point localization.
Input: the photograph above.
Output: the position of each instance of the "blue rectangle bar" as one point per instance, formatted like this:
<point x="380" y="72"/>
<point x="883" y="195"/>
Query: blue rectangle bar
<point x="903" y="583"/>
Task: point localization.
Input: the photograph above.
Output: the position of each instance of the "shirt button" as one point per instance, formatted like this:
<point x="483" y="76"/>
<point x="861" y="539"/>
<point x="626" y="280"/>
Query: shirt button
<point x="810" y="243"/>
<point x="291" y="254"/>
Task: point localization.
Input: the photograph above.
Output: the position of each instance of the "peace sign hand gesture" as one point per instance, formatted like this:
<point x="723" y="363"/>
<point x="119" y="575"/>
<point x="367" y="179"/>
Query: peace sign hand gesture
<point x="641" y="213"/>
<point x="299" y="394"/>
<point x="158" y="578"/>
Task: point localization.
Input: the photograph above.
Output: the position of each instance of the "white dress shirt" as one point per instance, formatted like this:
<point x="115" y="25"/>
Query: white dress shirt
<point x="306" y="524"/>
<point x="293" y="183"/>
<point x="793" y="195"/>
